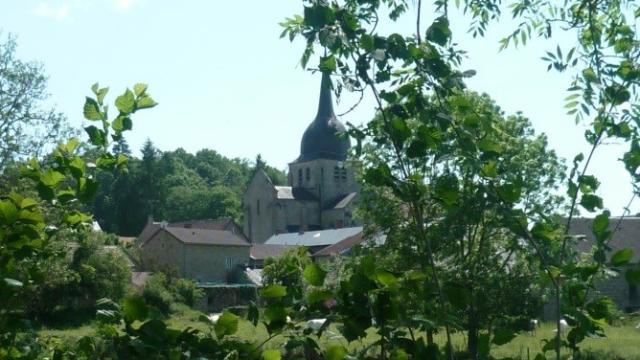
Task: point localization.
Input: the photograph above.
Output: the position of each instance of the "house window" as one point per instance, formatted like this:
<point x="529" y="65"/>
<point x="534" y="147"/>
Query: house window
<point x="228" y="263"/>
<point x="258" y="206"/>
<point x="300" y="177"/>
<point x="308" y="174"/>
<point x="343" y="174"/>
<point x="336" y="174"/>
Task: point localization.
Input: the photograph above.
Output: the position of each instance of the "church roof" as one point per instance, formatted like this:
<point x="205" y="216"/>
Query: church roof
<point x="342" y="202"/>
<point x="314" y="238"/>
<point x="290" y="193"/>
<point x="321" y="140"/>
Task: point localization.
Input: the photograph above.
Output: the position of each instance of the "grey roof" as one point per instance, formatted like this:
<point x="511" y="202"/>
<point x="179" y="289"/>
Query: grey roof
<point x="321" y="140"/>
<point x="148" y="232"/>
<point x="290" y="193"/>
<point x="342" y="202"/>
<point x="314" y="238"/>
<point x="627" y="235"/>
<point x="263" y="251"/>
<point x="211" y="224"/>
<point x="206" y="236"/>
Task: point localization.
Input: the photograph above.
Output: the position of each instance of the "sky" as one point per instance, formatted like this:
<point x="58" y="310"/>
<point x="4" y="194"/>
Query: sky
<point x="224" y="80"/>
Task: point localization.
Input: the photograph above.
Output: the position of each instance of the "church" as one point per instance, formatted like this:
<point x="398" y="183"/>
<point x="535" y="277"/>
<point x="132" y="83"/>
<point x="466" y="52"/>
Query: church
<point x="322" y="187"/>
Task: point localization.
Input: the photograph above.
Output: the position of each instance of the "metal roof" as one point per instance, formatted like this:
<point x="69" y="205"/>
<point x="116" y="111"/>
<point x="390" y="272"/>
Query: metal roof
<point x="314" y="238"/>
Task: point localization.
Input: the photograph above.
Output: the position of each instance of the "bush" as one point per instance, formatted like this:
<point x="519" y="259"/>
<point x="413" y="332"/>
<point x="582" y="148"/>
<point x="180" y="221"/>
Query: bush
<point x="156" y="294"/>
<point x="162" y="290"/>
<point x="186" y="291"/>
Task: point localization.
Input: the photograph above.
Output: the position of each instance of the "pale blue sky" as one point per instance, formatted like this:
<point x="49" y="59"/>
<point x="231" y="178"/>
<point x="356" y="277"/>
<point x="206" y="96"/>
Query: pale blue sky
<point x="225" y="81"/>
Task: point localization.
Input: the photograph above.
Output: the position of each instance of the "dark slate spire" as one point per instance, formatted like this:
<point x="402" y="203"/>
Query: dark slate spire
<point x="320" y="140"/>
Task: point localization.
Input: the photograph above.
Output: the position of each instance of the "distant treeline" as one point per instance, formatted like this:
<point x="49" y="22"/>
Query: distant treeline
<point x="174" y="186"/>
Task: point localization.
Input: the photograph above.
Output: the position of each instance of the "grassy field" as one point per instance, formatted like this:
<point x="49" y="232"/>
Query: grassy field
<point x="622" y="342"/>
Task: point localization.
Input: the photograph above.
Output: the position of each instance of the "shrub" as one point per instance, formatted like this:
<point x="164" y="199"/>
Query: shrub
<point x="156" y="294"/>
<point x="186" y="291"/>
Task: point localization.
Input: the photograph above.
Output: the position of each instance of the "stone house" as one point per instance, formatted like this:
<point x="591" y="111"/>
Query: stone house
<point x="202" y="254"/>
<point x="625" y="236"/>
<point x="322" y="186"/>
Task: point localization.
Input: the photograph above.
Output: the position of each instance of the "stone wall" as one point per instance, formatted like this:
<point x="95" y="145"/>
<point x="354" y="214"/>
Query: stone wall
<point x="213" y="263"/>
<point x="162" y="251"/>
<point x="220" y="297"/>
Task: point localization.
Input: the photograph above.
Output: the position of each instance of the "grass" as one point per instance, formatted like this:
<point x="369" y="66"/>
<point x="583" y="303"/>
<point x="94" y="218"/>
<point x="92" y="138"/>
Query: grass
<point x="622" y="342"/>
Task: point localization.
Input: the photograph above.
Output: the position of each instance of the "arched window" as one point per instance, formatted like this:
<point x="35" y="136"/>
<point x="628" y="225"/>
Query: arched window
<point x="300" y="177"/>
<point x="308" y="174"/>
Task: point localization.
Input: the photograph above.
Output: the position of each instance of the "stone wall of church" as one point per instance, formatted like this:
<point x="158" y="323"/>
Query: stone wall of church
<point x="259" y="203"/>
<point x="327" y="179"/>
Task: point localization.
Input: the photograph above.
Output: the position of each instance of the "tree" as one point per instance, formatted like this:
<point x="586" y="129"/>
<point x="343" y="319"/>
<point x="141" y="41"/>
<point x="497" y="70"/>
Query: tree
<point x="401" y="71"/>
<point x="27" y="126"/>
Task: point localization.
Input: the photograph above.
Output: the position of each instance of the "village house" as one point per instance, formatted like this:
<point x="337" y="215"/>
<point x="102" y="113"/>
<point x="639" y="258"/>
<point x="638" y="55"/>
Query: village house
<point x="208" y="251"/>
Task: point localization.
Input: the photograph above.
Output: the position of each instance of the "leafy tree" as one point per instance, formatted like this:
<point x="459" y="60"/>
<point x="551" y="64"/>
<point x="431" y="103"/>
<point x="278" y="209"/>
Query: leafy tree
<point x="422" y="71"/>
<point x="27" y="126"/>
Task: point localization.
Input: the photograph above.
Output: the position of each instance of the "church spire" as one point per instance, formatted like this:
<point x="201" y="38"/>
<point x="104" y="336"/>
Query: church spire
<point x="321" y="140"/>
<point x="325" y="104"/>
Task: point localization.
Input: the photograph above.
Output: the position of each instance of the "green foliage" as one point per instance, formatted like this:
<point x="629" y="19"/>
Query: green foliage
<point x="174" y="186"/>
<point x="60" y="185"/>
<point x="161" y="291"/>
<point x="27" y="124"/>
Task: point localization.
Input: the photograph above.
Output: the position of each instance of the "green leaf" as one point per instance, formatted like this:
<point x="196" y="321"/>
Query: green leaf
<point x="336" y="352"/>
<point x="28" y="203"/>
<point x="490" y="169"/>
<point x="77" y="167"/>
<point x="386" y="278"/>
<point x="591" y="202"/>
<point x="139" y="89"/>
<point x="134" y="308"/>
<point x="96" y="136"/>
<point x="126" y="102"/>
<point x="490" y="146"/>
<point x="227" y="324"/>
<point x="600" y="226"/>
<point x="253" y="313"/>
<point x="8" y="212"/>
<point x="145" y="102"/>
<point x="76" y="217"/>
<point x="271" y="354"/>
<point x="439" y="31"/>
<point x="327" y="64"/>
<point x="51" y="178"/>
<point x="32" y="217"/>
<point x="503" y="336"/>
<point x="273" y="291"/>
<point x="621" y="257"/>
<point x="509" y="192"/>
<point x="101" y="94"/>
<point x="91" y="110"/>
<point x="379" y="176"/>
<point x="121" y="123"/>
<point x="316" y="296"/>
<point x="446" y="190"/>
<point x="314" y="274"/>
<point x="617" y="94"/>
